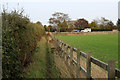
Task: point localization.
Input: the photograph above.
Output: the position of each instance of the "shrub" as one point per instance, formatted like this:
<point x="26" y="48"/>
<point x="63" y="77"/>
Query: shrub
<point x="19" y="39"/>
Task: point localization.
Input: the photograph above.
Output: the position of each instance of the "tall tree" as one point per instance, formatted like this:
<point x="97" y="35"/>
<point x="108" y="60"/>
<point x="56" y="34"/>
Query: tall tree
<point x="70" y="24"/>
<point x="65" y="26"/>
<point x="110" y="25"/>
<point x="93" y="25"/>
<point x="81" y="23"/>
<point x="58" y="18"/>
<point x="102" y="22"/>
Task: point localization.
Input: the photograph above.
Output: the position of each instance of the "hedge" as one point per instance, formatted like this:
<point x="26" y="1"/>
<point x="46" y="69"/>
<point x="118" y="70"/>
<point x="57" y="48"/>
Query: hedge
<point x="101" y="29"/>
<point x="19" y="40"/>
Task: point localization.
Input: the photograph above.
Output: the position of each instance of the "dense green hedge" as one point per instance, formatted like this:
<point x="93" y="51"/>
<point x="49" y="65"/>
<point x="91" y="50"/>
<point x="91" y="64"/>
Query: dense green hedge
<point x="19" y="39"/>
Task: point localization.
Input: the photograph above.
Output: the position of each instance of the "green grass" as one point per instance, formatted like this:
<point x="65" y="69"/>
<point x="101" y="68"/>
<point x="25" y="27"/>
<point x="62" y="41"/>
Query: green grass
<point x="102" y="47"/>
<point x="43" y="65"/>
<point x="37" y="69"/>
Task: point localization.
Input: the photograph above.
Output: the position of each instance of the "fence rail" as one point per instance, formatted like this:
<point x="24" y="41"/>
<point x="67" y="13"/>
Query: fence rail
<point x="110" y="67"/>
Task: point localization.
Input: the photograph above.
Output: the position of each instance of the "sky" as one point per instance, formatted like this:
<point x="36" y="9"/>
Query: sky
<point x="119" y="10"/>
<point x="42" y="10"/>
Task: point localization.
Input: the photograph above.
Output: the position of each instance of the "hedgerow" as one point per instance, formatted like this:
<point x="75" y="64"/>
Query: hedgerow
<point x="19" y="39"/>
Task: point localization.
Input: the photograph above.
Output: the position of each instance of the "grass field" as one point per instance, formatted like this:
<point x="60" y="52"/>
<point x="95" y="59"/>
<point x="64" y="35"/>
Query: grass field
<point x="102" y="47"/>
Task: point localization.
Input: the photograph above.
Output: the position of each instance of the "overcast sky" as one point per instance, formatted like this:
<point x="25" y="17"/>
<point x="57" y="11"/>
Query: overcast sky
<point x="119" y="10"/>
<point x="42" y="10"/>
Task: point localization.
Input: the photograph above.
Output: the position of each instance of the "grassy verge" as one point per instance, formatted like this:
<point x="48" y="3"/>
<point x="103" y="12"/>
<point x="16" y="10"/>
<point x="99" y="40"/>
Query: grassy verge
<point x="37" y="69"/>
<point x="43" y="63"/>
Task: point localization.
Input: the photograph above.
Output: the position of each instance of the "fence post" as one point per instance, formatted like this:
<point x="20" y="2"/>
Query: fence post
<point x="88" y="65"/>
<point x="71" y="55"/>
<point x="78" y="64"/>
<point x="62" y="50"/>
<point x="66" y="55"/>
<point x="111" y="70"/>
<point x="71" y="58"/>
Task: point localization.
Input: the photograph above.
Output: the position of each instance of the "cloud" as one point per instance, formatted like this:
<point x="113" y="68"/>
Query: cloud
<point x="119" y="10"/>
<point x="60" y="0"/>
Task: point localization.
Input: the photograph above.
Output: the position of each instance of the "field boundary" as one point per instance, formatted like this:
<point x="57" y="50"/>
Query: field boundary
<point x="70" y="61"/>
<point x="85" y="33"/>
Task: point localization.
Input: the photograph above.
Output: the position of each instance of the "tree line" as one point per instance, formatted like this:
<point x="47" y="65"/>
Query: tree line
<point x="61" y="22"/>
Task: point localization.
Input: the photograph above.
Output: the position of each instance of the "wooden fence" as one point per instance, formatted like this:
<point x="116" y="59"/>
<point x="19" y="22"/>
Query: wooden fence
<point x="113" y="72"/>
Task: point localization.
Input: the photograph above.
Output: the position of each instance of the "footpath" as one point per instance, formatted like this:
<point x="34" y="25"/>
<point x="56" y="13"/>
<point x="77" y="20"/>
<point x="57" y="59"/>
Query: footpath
<point x="45" y="63"/>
